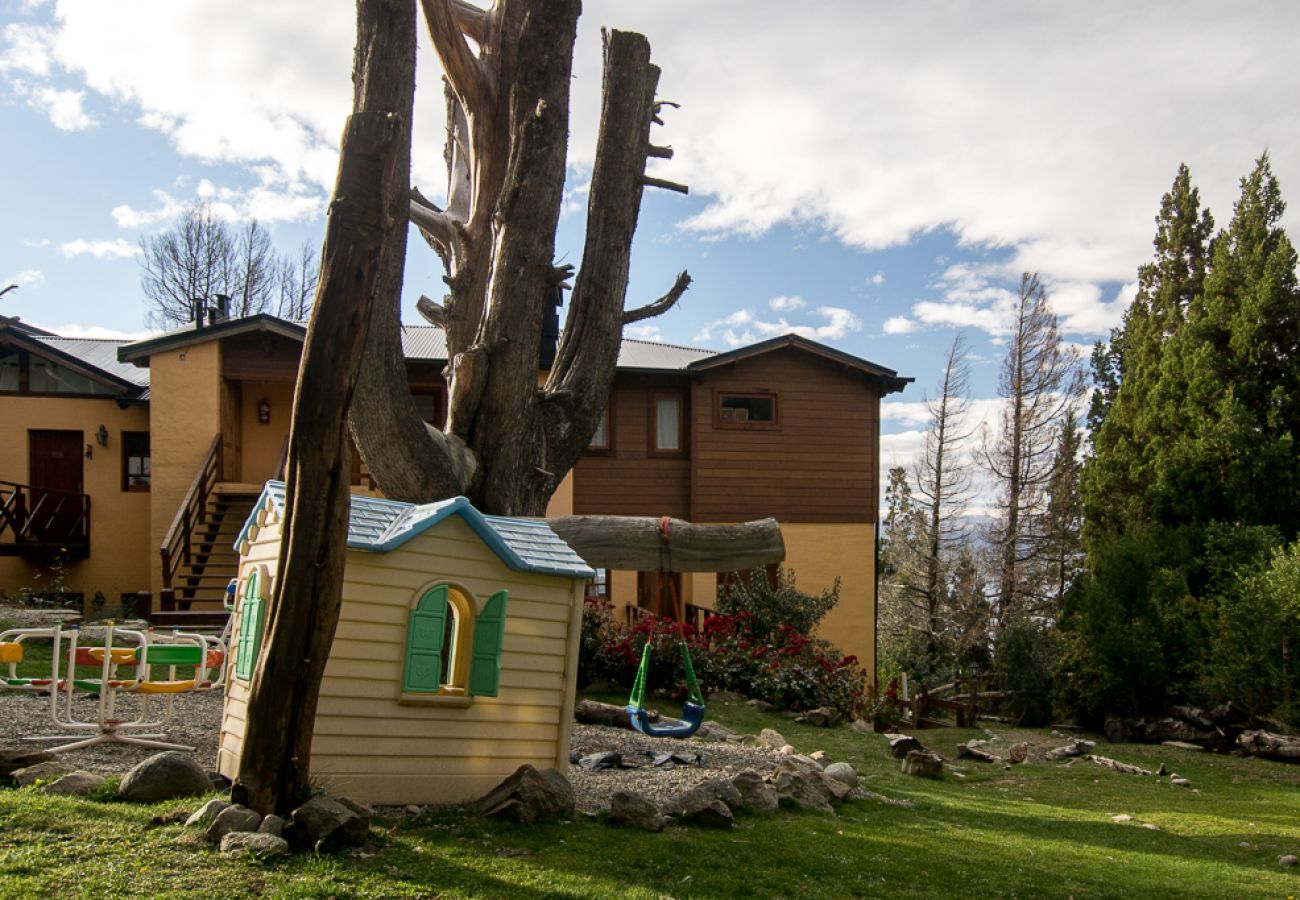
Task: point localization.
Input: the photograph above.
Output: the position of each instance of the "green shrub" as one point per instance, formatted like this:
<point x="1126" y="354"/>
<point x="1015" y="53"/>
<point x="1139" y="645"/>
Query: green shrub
<point x="772" y="606"/>
<point x="1025" y="657"/>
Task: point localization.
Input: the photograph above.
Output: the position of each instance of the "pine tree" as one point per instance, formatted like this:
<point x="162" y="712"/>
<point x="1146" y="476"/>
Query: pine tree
<point x="1062" y="556"/>
<point x="1229" y="399"/>
<point x="1127" y="419"/>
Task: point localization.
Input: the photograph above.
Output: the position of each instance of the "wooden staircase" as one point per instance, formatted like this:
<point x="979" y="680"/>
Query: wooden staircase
<point x="198" y="554"/>
<point x="198" y="589"/>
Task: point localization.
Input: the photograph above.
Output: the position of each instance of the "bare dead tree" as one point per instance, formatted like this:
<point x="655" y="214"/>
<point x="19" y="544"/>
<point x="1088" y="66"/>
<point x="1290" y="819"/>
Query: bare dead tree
<point x="927" y="526"/>
<point x="201" y="256"/>
<point x="1041" y="380"/>
<point x="507" y="442"/>
<point x="365" y="245"/>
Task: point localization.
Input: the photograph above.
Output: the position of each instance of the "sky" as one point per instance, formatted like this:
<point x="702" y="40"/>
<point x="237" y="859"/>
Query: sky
<point x="873" y="175"/>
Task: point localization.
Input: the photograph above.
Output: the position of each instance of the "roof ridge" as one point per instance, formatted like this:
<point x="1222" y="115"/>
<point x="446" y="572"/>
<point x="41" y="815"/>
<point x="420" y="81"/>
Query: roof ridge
<point x="673" y="346"/>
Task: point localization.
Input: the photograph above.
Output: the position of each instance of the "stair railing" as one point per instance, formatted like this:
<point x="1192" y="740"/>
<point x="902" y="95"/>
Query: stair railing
<point x="43" y="516"/>
<point x="193" y="511"/>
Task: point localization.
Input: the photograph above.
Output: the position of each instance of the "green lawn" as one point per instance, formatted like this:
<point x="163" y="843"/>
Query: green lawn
<point x="1042" y="830"/>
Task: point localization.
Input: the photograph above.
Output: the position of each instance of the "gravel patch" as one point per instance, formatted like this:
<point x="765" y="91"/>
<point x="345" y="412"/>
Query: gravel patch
<point x="195" y="722"/>
<point x="658" y="784"/>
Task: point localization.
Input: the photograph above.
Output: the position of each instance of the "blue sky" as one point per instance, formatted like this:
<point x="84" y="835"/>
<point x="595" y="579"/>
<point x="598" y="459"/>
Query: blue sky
<point x="873" y="174"/>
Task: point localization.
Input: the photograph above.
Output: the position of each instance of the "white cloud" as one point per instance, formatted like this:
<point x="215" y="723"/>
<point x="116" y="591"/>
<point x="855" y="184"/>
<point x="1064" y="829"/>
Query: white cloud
<point x="27" y="49"/>
<point x="877" y="279"/>
<point x="63" y="107"/>
<point x="644" y="333"/>
<point x="743" y="327"/>
<point x="36" y="243"/>
<point x="266" y="203"/>
<point x="116" y="249"/>
<point x="899" y="325"/>
<point x="25" y="278"/>
<point x="785" y="304"/>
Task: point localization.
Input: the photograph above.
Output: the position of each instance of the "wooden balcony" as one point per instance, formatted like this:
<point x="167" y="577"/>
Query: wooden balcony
<point x="38" y="524"/>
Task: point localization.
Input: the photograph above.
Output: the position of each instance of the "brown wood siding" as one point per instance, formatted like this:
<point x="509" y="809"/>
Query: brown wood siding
<point x="819" y="463"/>
<point x="629" y="480"/>
<point x="260" y="357"/>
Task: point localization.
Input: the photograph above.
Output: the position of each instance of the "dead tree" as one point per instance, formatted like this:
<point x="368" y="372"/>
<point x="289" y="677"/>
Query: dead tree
<point x="365" y="244"/>
<point x="507" y="442"/>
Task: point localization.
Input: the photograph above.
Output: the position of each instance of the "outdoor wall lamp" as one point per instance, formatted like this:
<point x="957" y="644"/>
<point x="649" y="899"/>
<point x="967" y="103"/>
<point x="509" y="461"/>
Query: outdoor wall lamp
<point x="264" y="411"/>
<point x="101" y="436"/>
<point x="90" y="451"/>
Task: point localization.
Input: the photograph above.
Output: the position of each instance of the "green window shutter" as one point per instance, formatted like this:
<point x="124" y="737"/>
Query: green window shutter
<point x="427" y="623"/>
<point x="250" y="629"/>
<point x="489" y="632"/>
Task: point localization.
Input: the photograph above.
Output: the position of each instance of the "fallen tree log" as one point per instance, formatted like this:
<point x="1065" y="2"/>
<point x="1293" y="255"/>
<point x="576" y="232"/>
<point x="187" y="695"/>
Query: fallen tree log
<point x="1122" y="768"/>
<point x="643" y="544"/>
<point x="966" y="751"/>
<point x="590" y="712"/>
<point x="1267" y="745"/>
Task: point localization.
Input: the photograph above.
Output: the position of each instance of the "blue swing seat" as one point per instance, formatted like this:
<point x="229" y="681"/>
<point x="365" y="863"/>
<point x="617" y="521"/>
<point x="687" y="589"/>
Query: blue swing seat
<point x="691" y="719"/>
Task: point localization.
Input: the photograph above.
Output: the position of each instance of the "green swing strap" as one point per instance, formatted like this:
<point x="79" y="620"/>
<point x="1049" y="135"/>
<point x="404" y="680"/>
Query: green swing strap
<point x="637" y="698"/>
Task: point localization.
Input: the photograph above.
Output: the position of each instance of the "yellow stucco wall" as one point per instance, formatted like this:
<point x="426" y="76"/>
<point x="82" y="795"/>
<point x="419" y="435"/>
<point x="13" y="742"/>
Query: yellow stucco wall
<point x="371" y="747"/>
<point x="263" y="442"/>
<point x="185" y="412"/>
<point x="119" y="520"/>
<point x="818" y="553"/>
<point x="561" y="502"/>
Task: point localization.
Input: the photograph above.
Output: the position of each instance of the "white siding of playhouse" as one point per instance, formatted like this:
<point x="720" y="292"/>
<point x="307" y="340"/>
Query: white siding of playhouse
<point x="366" y="744"/>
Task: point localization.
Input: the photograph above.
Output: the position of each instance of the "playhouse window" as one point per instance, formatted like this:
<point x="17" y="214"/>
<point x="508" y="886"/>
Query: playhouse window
<point x="451" y="652"/>
<point x="251" y="609"/>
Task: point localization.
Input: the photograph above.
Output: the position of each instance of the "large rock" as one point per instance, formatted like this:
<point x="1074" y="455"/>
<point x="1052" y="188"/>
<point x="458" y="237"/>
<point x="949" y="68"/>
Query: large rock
<point x="756" y="795"/>
<point x="529" y="796"/>
<point x="52" y="770"/>
<point x="712" y="789"/>
<point x="13" y="760"/>
<point x="843" y="772"/>
<point x="701" y="808"/>
<point x="771" y="739"/>
<point x="861" y="726"/>
<point x="254" y="843"/>
<point x="164" y="776"/>
<point x="635" y="811"/>
<point x="326" y="824"/>
<point x="902" y="744"/>
<point x="273" y="825"/>
<point x="802" y="790"/>
<point x="713" y="731"/>
<point x="205" y="814"/>
<point x="75" y="784"/>
<point x="923" y="763"/>
<point x="821" y="717"/>
<point x="232" y="818"/>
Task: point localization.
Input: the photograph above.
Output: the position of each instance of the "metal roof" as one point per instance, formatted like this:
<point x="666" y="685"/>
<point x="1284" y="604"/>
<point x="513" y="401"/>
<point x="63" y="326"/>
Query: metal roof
<point x="98" y="352"/>
<point x="378" y="526"/>
<point x="658" y="356"/>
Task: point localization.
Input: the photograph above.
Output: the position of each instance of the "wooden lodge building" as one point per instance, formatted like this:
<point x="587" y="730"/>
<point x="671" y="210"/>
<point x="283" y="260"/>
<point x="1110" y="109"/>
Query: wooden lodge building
<point x="131" y="466"/>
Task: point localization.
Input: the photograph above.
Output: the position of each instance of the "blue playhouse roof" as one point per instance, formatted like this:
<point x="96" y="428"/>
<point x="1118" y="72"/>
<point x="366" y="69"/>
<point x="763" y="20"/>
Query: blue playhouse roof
<point x="378" y="526"/>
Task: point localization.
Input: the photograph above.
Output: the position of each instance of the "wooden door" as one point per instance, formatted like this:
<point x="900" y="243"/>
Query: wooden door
<point x="56" y="472"/>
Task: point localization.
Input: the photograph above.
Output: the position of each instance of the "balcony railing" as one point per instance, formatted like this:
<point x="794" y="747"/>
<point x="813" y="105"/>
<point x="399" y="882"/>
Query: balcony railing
<point x="41" y="523"/>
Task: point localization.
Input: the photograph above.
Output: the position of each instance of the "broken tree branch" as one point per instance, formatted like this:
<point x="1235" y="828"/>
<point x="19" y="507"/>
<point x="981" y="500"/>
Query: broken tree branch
<point x="463" y="69"/>
<point x="650" y="181"/>
<point x="434" y="313"/>
<point x="663" y="304"/>
<point x="471" y="20"/>
<point x="1117" y="766"/>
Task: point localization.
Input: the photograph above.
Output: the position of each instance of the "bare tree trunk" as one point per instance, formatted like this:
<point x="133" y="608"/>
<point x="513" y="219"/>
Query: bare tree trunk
<point x="364" y="241"/>
<point x="507" y="444"/>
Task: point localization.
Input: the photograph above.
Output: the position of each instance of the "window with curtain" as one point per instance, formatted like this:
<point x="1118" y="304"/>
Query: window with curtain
<point x="668" y="423"/>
